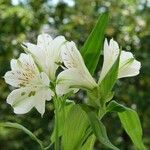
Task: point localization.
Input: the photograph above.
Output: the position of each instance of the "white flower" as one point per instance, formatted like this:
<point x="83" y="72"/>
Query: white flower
<point x="46" y="53"/>
<point x="128" y="66"/>
<point x="76" y="75"/>
<point x="32" y="86"/>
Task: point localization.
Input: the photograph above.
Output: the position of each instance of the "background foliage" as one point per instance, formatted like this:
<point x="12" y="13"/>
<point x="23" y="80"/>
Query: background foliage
<point x="22" y="20"/>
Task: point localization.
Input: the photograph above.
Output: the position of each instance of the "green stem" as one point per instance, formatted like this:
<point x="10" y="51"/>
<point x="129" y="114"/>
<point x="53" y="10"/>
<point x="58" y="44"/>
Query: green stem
<point x="56" y="124"/>
<point x="48" y="147"/>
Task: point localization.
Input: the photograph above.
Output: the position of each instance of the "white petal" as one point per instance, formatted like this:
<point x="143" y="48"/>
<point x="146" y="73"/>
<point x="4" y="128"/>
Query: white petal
<point x="14" y="78"/>
<point x="45" y="43"/>
<point x="77" y="75"/>
<point x="45" y="79"/>
<point x="14" y="64"/>
<point x="111" y="50"/>
<point x="24" y="71"/>
<point x="71" y="56"/>
<point x="21" y="102"/>
<point x="62" y="89"/>
<point x="24" y="99"/>
<point x="34" y="50"/>
<point x="128" y="68"/>
<point x="44" y="40"/>
<point x="133" y="70"/>
<point x="56" y="47"/>
<point x="114" y="46"/>
<point x="54" y="56"/>
<point x="27" y="63"/>
<point x="23" y="62"/>
<point x="111" y="53"/>
<point x="124" y="57"/>
<point x="41" y="97"/>
<point x="41" y="57"/>
<point x="106" y="46"/>
<point x="74" y="78"/>
<point x="38" y="54"/>
<point x="47" y="53"/>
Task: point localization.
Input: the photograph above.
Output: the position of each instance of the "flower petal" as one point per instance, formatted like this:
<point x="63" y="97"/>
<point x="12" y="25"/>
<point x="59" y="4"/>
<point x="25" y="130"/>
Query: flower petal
<point x="24" y="99"/>
<point x="14" y="78"/>
<point x="44" y="42"/>
<point x="128" y="65"/>
<point x="38" y="55"/>
<point x="76" y="75"/>
<point x="14" y="64"/>
<point x="62" y="88"/>
<point x="71" y="56"/>
<point x="27" y="63"/>
<point x="41" y="96"/>
<point x="47" y="53"/>
<point x="21" y="102"/>
<point x="114" y="46"/>
<point x="45" y="79"/>
<point x="54" y="57"/>
<point x="73" y="78"/>
<point x="111" y="52"/>
<point x="56" y="47"/>
<point x="23" y="71"/>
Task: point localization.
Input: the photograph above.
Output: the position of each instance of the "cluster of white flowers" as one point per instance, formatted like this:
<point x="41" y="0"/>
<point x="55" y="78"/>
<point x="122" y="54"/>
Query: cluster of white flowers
<point x="32" y="73"/>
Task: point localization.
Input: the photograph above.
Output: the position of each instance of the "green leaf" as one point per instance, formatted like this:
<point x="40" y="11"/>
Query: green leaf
<point x="62" y="115"/>
<point x="89" y="144"/>
<point x="98" y="128"/>
<point x="113" y="106"/>
<point x="130" y="121"/>
<point x="93" y="98"/>
<point x="91" y="50"/>
<point x="25" y="130"/>
<point x="106" y="85"/>
<point x="75" y="128"/>
<point x="132" y="126"/>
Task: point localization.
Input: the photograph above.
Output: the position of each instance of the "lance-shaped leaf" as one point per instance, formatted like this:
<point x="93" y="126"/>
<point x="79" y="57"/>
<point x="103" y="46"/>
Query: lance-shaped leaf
<point x="98" y="128"/>
<point x="75" y="128"/>
<point x="62" y="115"/>
<point x="130" y="122"/>
<point x="93" y="45"/>
<point x="25" y="130"/>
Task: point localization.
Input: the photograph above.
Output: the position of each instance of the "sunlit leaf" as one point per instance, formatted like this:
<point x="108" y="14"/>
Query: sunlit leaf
<point x="130" y="122"/>
<point x="75" y="128"/>
<point x="62" y="114"/>
<point x="113" y="106"/>
<point x="93" y="45"/>
<point x="98" y="128"/>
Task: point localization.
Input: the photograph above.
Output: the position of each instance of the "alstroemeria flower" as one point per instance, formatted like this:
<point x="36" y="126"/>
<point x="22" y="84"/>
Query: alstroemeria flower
<point x="128" y="66"/>
<point x="75" y="75"/>
<point x="32" y="86"/>
<point x="46" y="53"/>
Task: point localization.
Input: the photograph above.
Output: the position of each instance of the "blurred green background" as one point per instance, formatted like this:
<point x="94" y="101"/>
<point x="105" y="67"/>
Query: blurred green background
<point x="129" y="24"/>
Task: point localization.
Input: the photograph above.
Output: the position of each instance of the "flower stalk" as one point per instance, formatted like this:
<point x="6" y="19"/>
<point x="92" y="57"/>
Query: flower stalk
<point x="56" y="123"/>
